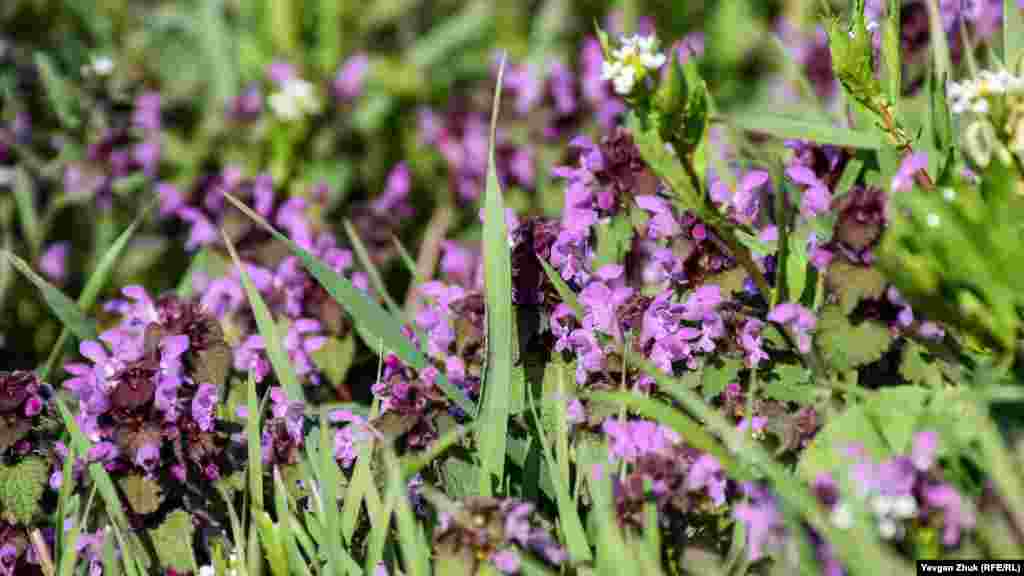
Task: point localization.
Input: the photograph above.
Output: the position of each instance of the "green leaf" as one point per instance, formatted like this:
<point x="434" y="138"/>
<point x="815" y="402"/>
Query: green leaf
<point x="97" y="281"/>
<point x="792" y="383"/>
<point x="827" y="452"/>
<point x="334" y="359"/>
<point x="371" y="270"/>
<point x="896" y="412"/>
<point x="846" y="346"/>
<point x="381" y="331"/>
<point x="215" y="40"/>
<point x="614" y="238"/>
<point x="63" y="307"/>
<point x="28" y="216"/>
<point x="940" y="46"/>
<point x="718" y="374"/>
<point x="273" y="339"/>
<point x="1013" y="32"/>
<point x="566" y="293"/>
<point x="58" y="91"/>
<point x="497" y="385"/>
<point x="173" y="542"/>
<point x="853" y="284"/>
<point x="796" y="264"/>
<point x="444" y="40"/>
<point x="787" y="128"/>
<point x="914" y="368"/>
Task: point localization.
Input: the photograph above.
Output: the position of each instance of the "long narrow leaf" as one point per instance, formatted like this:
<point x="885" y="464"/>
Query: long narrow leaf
<point x="269" y="330"/>
<point x="63" y="307"/>
<point x="1013" y="32"/>
<point x="97" y="281"/>
<point x="800" y="129"/>
<point x="497" y="386"/>
<point x="381" y="331"/>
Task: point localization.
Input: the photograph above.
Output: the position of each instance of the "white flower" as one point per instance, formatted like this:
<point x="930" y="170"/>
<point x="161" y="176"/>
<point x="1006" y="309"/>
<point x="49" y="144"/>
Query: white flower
<point x="297" y="98"/>
<point x="630" y="62"/>
<point x="100" y="66"/>
<point x="904" y="506"/>
<point x="841" y="516"/>
<point x="207" y="571"/>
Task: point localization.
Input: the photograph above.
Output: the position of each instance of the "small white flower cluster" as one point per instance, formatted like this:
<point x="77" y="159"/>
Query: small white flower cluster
<point x="891" y="511"/>
<point x="631" y="61"/>
<point x="100" y="66"/>
<point x="972" y="95"/>
<point x="297" y="98"/>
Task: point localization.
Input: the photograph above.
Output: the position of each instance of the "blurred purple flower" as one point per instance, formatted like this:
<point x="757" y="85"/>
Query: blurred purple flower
<point x="349" y="82"/>
<point x="903" y="181"/>
<point x="53" y="262"/>
<point x="800" y="319"/>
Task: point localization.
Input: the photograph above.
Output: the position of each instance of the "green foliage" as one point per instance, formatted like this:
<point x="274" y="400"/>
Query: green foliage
<point x="846" y="346"/>
<point x="143" y="494"/>
<point x="173" y="542"/>
<point x="21" y="489"/>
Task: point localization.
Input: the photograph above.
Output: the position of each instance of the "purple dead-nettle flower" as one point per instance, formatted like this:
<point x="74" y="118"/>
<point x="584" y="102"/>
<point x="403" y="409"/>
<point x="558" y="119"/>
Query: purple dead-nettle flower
<point x="147" y="456"/>
<point x="203" y="231"/>
<point x="302" y="341"/>
<point x="53" y="262"/>
<point x="799" y="319"/>
<point x="663" y="223"/>
<point x="571" y="255"/>
<point x="146" y="116"/>
<point x="525" y="86"/>
<point x="763" y="521"/>
<point x="171" y="199"/>
<point x="590" y="355"/>
<point x="744" y="202"/>
<point x="292" y="218"/>
<point x="289" y="412"/>
<point x="634" y="439"/>
<point x="957" y="514"/>
<point x="816" y="197"/>
<point x="601" y="303"/>
<point x="561" y="325"/>
<point x="248" y="105"/>
<point x="204" y="404"/>
<point x="250" y="356"/>
<point x="925" y="447"/>
<point x="507" y="561"/>
<point x="903" y="181"/>
<point x="750" y="341"/>
<point x="349" y="82"/>
<point x="348" y="439"/>
<point x="706" y="474"/>
<point x="280" y="72"/>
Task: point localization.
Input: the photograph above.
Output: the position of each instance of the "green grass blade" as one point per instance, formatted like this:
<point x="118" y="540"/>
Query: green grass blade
<point x="1013" y="32"/>
<point x="371" y="270"/>
<point x="566" y="293"/>
<point x="63" y="307"/>
<point x="96" y="283"/>
<point x="374" y="320"/>
<point x="411" y="541"/>
<point x="497" y="385"/>
<point x="940" y="46"/>
<point x="70" y="555"/>
<point x="785" y="128"/>
<point x="331" y="520"/>
<point x="857" y="547"/>
<point x="99" y="475"/>
<point x="269" y="330"/>
<point x="568" y="515"/>
<point x="442" y="41"/>
<point x="28" y="216"/>
<point x="407" y="260"/>
<point x="255" y="450"/>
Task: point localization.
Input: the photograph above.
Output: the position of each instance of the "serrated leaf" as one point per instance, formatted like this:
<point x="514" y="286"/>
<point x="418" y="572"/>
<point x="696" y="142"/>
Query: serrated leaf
<point x="497" y="386"/>
<point x="896" y="412"/>
<point x="173" y="542"/>
<point x="828" y="451"/>
<point x="143" y="494"/>
<point x="852" y="284"/>
<point x="791" y="384"/>
<point x="916" y="370"/>
<point x="846" y="346"/>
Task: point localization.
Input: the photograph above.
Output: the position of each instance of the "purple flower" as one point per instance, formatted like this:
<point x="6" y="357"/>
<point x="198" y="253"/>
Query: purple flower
<point x="925" y="447"/>
<point x="745" y="202"/>
<point x="204" y="404"/>
<point x="348" y="83"/>
<point x="903" y="181"/>
<point x="53" y="262"/>
<point x="750" y="341"/>
<point x="637" y="438"/>
<point x="956" y="514"/>
<point x="146" y="116"/>
<point x="279" y="72"/>
<point x="302" y="340"/>
<point x="663" y="223"/>
<point x="507" y="561"/>
<point x="706" y="473"/>
<point x="250" y="356"/>
<point x="816" y="197"/>
<point x="170" y="198"/>
<point x="800" y="319"/>
<point x="147" y="456"/>
<point x="203" y="231"/>
<point x="762" y="519"/>
<point x="601" y="303"/>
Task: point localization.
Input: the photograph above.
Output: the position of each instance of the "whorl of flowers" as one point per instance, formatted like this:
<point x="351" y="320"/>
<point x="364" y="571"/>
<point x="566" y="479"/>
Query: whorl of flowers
<point x="148" y="394"/>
